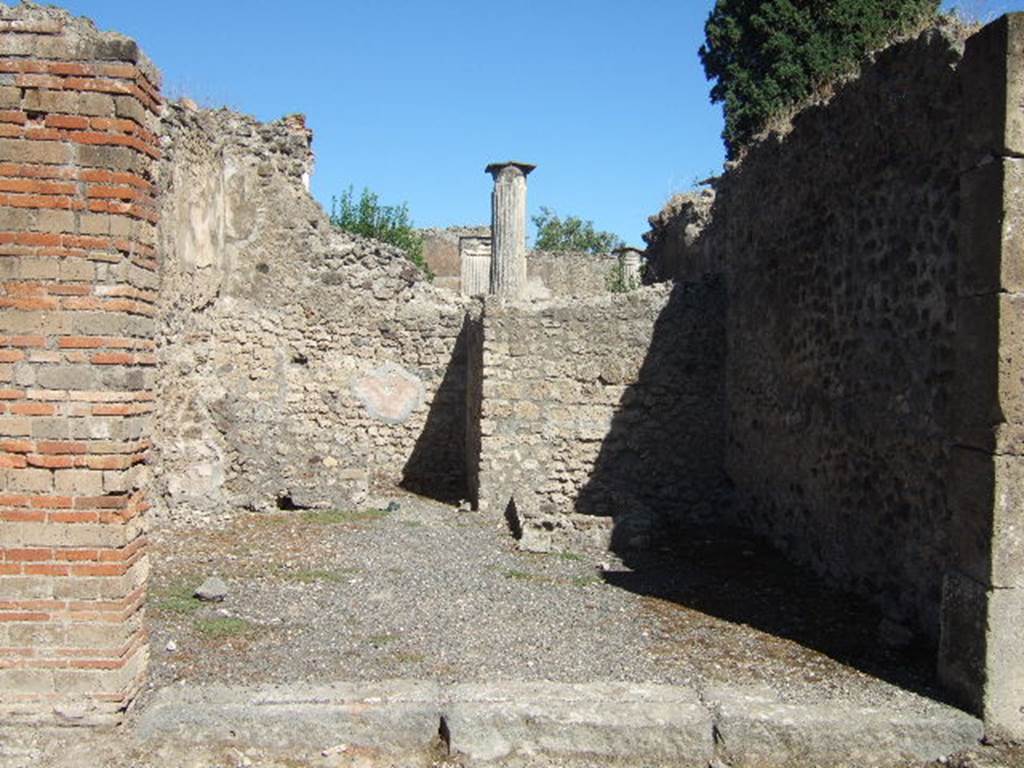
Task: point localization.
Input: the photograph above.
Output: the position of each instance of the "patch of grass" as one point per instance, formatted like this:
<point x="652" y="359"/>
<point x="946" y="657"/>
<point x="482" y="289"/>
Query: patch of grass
<point x="219" y="627"/>
<point x="341" y="516"/>
<point x="176" y="598"/>
<point x="408" y="657"/>
<point x="586" y="581"/>
<point x="515" y="575"/>
<point x="411" y="523"/>
<point x="570" y="556"/>
<point x="379" y="641"/>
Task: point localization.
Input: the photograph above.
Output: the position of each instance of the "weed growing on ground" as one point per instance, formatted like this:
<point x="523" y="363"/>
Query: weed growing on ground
<point x="176" y="598"/>
<point x="515" y="575"/>
<point x="219" y="627"/>
<point x="341" y="516"/>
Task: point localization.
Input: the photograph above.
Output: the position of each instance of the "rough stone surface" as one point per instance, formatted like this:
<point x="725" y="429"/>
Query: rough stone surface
<point x="674" y="242"/>
<point x="213" y="590"/>
<point x="600" y="412"/>
<point x="755" y="729"/>
<point x="837" y="244"/>
<point x="392" y="716"/>
<point x="584" y="724"/>
<point x="271" y="327"/>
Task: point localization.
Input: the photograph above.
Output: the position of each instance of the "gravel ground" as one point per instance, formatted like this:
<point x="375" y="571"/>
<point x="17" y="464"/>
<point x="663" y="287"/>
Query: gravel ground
<point x="427" y="591"/>
<point x="431" y="592"/>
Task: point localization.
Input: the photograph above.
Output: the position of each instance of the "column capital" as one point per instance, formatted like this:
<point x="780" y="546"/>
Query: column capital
<point x="495" y="169"/>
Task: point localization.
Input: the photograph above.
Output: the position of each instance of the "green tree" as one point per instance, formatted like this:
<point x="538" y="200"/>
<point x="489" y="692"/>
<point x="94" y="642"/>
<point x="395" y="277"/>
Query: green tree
<point x="571" y="235"/>
<point x="388" y="223"/>
<point x="768" y="55"/>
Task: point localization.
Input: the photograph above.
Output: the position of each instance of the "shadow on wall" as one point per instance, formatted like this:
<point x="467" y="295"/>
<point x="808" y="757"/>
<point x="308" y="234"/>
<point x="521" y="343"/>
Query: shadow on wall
<point x="659" y="476"/>
<point x="660" y="465"/>
<point x="839" y="242"/>
<point x="436" y="467"/>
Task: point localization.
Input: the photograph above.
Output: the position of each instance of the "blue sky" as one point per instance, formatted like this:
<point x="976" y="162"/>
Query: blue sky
<point x="412" y="98"/>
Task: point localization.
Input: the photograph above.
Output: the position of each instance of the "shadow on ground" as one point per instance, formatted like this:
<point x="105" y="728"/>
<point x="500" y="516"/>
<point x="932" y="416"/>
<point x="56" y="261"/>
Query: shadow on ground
<point x="731" y="575"/>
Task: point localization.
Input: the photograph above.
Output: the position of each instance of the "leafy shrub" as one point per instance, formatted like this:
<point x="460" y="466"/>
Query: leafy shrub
<point x="571" y="234"/>
<point x="766" y="56"/>
<point x="388" y="223"/>
<point x="619" y="280"/>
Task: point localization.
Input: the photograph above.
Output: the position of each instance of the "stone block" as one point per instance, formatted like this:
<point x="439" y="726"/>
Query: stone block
<point x="981" y="658"/>
<point x="757" y="728"/>
<point x="991" y="240"/>
<point x="94" y="224"/>
<point x="78" y="482"/>
<point x="28" y="480"/>
<point x="96" y="105"/>
<point x="989" y="387"/>
<point x="10" y="97"/>
<point x="1004" y="665"/>
<point x="52" y="220"/>
<point x="71" y="377"/>
<point x="987" y="499"/>
<point x="392" y="716"/>
<point x="992" y="83"/>
<point x="27" y="587"/>
<point x="39" y="269"/>
<point x="599" y="723"/>
<point x="64" y="102"/>
<point x="25" y="681"/>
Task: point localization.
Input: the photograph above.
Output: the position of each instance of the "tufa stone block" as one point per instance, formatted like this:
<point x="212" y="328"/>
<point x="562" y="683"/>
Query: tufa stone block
<point x="992" y="84"/>
<point x="987" y="500"/>
<point x="989" y="384"/>
<point x="991" y="241"/>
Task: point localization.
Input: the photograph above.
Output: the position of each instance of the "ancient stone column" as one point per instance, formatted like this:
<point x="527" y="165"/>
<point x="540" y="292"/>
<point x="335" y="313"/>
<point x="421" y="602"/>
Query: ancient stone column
<point x="475" y="255"/>
<point x="508" y="228"/>
<point x="630" y="259"/>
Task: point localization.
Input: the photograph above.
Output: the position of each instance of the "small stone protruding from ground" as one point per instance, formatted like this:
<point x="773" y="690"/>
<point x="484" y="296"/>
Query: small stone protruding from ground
<point x="393" y="506"/>
<point x="171" y="646"/>
<point x="535" y="540"/>
<point x="213" y="590"/>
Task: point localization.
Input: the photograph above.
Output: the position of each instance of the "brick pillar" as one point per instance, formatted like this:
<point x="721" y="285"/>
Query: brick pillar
<point x="78" y="282"/>
<point x="981" y="657"/>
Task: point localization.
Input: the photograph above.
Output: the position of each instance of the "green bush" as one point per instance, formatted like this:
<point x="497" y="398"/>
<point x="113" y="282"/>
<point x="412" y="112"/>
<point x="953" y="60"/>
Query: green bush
<point x="571" y="235"/>
<point x="388" y="223"/>
<point x="767" y="56"/>
<point x="619" y="280"/>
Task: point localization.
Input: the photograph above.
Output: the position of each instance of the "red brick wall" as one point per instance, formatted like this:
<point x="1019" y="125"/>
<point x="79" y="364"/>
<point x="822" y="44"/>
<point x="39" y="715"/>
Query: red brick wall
<point x="78" y="282"/>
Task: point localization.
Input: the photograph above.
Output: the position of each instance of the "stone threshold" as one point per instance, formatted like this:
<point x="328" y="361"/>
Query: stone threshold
<point x="544" y="723"/>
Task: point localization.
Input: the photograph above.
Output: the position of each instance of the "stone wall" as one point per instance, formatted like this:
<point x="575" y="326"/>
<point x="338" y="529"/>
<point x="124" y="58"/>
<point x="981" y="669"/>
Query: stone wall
<point x="600" y="412"/>
<point x="299" y="365"/>
<point x="568" y="274"/>
<point x="838" y="246"/>
<point x="78" y="282"/>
